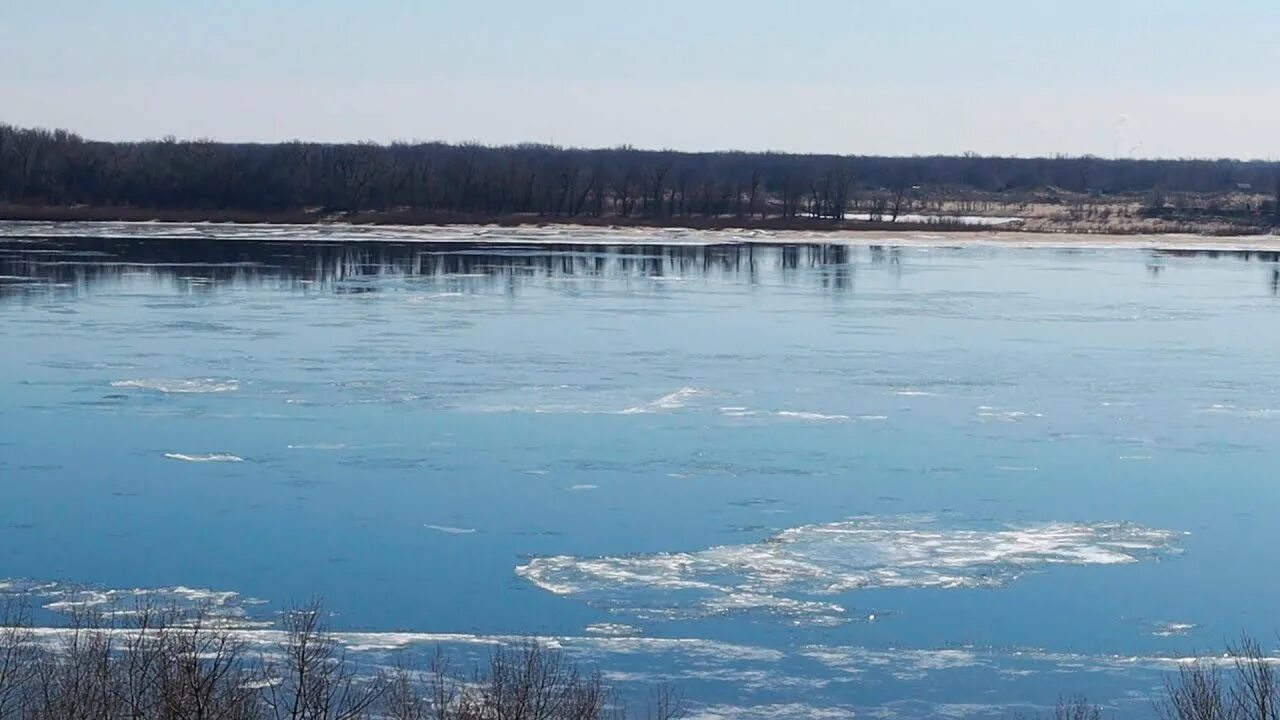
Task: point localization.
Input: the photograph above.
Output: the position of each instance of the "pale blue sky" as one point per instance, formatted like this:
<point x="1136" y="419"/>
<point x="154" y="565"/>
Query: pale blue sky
<point x="1025" y="77"/>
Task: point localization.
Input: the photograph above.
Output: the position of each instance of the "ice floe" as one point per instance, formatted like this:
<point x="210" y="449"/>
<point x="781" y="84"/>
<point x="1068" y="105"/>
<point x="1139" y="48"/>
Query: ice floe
<point x="987" y="413"/>
<point x="671" y="401"/>
<point x="210" y="457"/>
<point x="788" y="573"/>
<point x="180" y="386"/>
<point x="1236" y="411"/>
<point x="450" y="530"/>
<point x="1173" y="629"/>
<point x="226" y="607"/>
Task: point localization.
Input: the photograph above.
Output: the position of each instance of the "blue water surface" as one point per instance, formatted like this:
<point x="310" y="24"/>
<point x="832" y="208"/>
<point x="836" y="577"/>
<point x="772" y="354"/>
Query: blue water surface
<point x="412" y="430"/>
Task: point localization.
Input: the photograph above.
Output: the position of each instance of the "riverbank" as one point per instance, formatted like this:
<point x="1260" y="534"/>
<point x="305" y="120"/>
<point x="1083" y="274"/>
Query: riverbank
<point x="1115" y="219"/>
<point x="84" y="213"/>
<point x="560" y="234"/>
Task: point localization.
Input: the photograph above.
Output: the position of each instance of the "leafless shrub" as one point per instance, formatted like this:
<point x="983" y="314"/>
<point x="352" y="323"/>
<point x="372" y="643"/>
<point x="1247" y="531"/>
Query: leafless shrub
<point x="17" y="657"/>
<point x="529" y="682"/>
<point x="405" y="697"/>
<point x="1248" y="690"/>
<point x="76" y="682"/>
<point x="665" y="703"/>
<point x="315" y="680"/>
<point x="1195" y="693"/>
<point x="204" y="673"/>
<point x="1255" y="692"/>
<point x="1076" y="708"/>
<point x="153" y="663"/>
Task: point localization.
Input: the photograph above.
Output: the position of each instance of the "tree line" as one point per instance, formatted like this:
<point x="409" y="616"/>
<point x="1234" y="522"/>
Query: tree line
<point x="60" y="168"/>
<point x="164" y="664"/>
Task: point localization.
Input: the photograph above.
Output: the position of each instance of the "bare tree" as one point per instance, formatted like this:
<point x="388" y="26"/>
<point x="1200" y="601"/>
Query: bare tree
<point x="167" y="664"/>
<point x="315" y="680"/>
<point x="205" y="675"/>
<point x="1076" y="707"/>
<point x="76" y="681"/>
<point x="1196" y="692"/>
<point x="1255" y="694"/>
<point x="665" y="703"/>
<point x="529" y="682"/>
<point x="17" y="657"/>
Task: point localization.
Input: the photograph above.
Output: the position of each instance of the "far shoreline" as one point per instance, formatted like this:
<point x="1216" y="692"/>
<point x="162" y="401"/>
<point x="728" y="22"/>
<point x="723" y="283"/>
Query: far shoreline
<point x="720" y="230"/>
<point x="82" y="213"/>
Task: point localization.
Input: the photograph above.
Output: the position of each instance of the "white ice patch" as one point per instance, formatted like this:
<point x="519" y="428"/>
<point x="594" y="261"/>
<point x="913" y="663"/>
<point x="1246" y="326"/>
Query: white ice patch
<point x="815" y="416"/>
<point x="612" y="629"/>
<point x="788" y="574"/>
<point x="1250" y="413"/>
<point x="449" y="530"/>
<point x="991" y="414"/>
<point x="211" y="457"/>
<point x="737" y="411"/>
<point x="776" y="711"/>
<point x="225" y="607"/>
<point x="181" y="386"/>
<point x="1173" y="629"/>
<point x="582" y="487"/>
<point x="671" y="401"/>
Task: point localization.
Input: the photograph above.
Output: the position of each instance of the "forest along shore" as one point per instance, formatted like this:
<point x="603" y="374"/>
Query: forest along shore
<point x="56" y="175"/>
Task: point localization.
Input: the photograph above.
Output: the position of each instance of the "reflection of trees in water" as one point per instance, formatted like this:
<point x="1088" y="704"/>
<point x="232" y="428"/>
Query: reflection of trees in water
<point x="80" y="264"/>
<point x="76" y="265"/>
<point x="1261" y="256"/>
<point x="1266" y="256"/>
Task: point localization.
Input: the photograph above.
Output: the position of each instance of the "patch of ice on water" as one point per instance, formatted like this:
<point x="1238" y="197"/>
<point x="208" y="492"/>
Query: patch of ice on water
<point x="775" y="711"/>
<point x="1173" y="629"/>
<point x="450" y="530"/>
<point x="912" y="392"/>
<point x="784" y="573"/>
<point x="225" y="607"/>
<point x="671" y="401"/>
<point x="582" y="487"/>
<point x="563" y="399"/>
<point x="737" y="411"/>
<point x="180" y="386"/>
<point x="589" y="646"/>
<point x="612" y="629"/>
<point x="319" y="446"/>
<point x="806" y="415"/>
<point x="211" y="457"/>
<point x="987" y="413"/>
<point x="1235" y="411"/>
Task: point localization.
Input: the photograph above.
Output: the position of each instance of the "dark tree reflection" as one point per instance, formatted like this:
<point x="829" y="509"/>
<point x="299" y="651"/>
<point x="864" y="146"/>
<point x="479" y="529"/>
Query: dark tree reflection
<point x="78" y="265"/>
